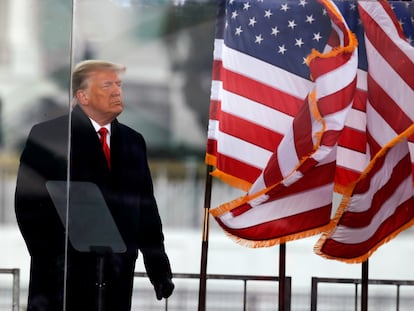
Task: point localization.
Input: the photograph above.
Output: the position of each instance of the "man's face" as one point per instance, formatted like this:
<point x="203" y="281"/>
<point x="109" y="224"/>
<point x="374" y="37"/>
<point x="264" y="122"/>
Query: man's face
<point x="103" y="96"/>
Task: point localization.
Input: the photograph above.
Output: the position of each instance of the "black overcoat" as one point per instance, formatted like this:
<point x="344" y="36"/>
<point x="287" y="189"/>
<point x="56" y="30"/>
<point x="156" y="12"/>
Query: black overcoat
<point x="127" y="189"/>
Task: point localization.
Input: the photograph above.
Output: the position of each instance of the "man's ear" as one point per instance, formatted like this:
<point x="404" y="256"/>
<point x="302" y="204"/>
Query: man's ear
<point x="82" y="97"/>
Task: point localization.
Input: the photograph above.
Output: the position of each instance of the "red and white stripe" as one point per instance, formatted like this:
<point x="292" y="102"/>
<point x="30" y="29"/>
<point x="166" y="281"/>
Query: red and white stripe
<point x="353" y="154"/>
<point x="291" y="194"/>
<point x="247" y="97"/>
<point x="381" y="204"/>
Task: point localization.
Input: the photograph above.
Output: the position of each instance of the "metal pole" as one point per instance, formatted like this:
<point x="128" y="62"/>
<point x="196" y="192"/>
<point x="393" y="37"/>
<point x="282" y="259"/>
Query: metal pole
<point x="204" y="243"/>
<point x="314" y="294"/>
<point x="101" y="283"/>
<point x="398" y="298"/>
<point x="364" y="289"/>
<point x="245" y="295"/>
<point x="282" y="276"/>
<point x="16" y="289"/>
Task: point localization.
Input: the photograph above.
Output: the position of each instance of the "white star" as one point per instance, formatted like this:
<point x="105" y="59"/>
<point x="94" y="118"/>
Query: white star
<point x="317" y="36"/>
<point x="309" y="19"/>
<point x="268" y="14"/>
<point x="234" y="14"/>
<point x="238" y="31"/>
<point x="231" y="1"/>
<point x="275" y="31"/>
<point x="284" y="7"/>
<point x="352" y="6"/>
<point x="259" y="39"/>
<point x="299" y="42"/>
<point x="292" y="24"/>
<point x="282" y="49"/>
<point x="246" y="6"/>
<point x="252" y="21"/>
<point x="303" y="3"/>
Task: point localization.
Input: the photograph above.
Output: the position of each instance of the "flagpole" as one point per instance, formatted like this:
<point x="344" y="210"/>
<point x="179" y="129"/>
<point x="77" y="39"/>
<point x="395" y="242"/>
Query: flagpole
<point x="282" y="276"/>
<point x="204" y="242"/>
<point x="364" y="286"/>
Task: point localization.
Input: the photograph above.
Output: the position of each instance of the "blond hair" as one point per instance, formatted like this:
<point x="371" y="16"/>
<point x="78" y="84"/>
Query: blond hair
<point x="83" y="70"/>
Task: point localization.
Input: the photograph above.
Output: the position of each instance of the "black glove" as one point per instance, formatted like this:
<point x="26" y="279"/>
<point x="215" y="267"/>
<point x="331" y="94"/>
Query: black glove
<point x="164" y="288"/>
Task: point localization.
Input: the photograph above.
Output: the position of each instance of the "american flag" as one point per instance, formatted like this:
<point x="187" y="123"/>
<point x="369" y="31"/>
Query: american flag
<point x="352" y="153"/>
<point x="380" y="205"/>
<point x="276" y="115"/>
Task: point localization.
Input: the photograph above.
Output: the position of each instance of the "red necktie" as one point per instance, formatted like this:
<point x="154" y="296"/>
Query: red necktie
<point x="102" y="133"/>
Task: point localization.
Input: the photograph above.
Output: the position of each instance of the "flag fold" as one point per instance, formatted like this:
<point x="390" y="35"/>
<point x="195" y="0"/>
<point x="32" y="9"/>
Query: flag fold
<point x="379" y="205"/>
<point x="310" y="101"/>
<point x="274" y="130"/>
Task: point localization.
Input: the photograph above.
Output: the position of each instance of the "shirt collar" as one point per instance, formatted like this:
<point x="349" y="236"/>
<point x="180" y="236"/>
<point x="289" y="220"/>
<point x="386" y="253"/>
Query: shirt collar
<point x="96" y="126"/>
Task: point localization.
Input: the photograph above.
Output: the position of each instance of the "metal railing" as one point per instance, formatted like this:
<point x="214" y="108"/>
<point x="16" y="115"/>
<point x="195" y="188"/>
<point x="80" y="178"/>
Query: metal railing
<point x="245" y="279"/>
<point x="16" y="286"/>
<point x="357" y="283"/>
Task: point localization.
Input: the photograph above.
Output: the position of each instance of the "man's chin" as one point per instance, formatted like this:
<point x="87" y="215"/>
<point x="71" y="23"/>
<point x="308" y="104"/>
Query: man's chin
<point x="117" y="112"/>
<point x="118" y="107"/>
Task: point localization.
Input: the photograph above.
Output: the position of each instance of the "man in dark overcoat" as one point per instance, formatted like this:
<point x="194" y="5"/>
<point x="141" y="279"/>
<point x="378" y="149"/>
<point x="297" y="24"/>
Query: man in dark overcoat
<point x="59" y="273"/>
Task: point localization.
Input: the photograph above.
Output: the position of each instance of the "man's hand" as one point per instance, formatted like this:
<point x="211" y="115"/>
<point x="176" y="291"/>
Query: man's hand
<point x="164" y="288"/>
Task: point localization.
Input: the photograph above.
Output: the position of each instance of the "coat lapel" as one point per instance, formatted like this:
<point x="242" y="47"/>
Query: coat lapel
<point x="87" y="156"/>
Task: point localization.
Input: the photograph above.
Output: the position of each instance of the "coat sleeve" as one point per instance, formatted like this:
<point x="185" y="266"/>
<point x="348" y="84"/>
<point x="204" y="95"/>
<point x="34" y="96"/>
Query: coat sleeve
<point x="152" y="247"/>
<point x="151" y="234"/>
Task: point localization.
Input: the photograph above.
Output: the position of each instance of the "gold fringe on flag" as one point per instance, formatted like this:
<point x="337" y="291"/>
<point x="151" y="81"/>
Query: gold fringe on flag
<point x="345" y="202"/>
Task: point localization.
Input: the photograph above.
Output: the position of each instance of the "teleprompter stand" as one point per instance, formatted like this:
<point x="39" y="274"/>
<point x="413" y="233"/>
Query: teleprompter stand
<point x="90" y="225"/>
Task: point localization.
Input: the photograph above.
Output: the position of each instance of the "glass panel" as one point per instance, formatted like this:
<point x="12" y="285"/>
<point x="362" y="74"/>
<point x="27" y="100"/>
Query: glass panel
<point x="166" y="48"/>
<point x="34" y="72"/>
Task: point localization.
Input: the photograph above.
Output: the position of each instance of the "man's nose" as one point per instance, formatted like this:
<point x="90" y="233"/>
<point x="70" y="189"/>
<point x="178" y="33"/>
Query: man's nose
<point x="116" y="89"/>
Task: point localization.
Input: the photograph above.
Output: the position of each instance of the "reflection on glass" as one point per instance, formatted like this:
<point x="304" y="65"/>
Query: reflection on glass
<point x="95" y="266"/>
<point x="167" y="47"/>
<point x="34" y="53"/>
